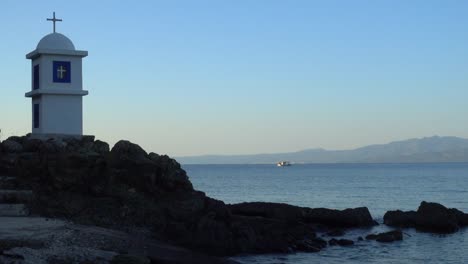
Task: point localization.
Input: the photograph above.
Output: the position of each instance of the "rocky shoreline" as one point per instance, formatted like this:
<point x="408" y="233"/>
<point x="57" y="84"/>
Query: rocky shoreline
<point x="125" y="188"/>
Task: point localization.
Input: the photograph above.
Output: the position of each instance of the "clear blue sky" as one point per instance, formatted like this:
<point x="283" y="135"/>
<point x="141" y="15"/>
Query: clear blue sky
<point x="231" y="77"/>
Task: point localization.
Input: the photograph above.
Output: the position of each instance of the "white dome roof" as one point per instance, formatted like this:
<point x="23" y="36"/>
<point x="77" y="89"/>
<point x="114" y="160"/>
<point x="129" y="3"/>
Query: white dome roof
<point x="55" y="41"/>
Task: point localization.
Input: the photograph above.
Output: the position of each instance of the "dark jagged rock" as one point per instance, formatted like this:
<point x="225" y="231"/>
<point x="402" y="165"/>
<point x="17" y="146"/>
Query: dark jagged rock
<point x="400" y="219"/>
<point x="430" y="217"/>
<point x="127" y="152"/>
<point x="340" y="242"/>
<point x="434" y="216"/>
<point x="333" y="242"/>
<point x="386" y="237"/>
<point x="134" y="167"/>
<point x="99" y="147"/>
<point x="345" y="242"/>
<point x="311" y="245"/>
<point x="357" y="217"/>
<point x="11" y="146"/>
<point x="17" y="139"/>
<point x="7" y="163"/>
<point x="32" y="145"/>
<point x="81" y="179"/>
<point x="462" y="218"/>
<point x="170" y="172"/>
<point x="269" y="210"/>
<point x="335" y="233"/>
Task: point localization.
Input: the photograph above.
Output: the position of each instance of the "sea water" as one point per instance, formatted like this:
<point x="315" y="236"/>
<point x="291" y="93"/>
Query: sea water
<point x="379" y="187"/>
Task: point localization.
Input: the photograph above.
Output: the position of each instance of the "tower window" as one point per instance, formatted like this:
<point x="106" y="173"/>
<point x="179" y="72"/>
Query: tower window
<point x="36" y="115"/>
<point x="61" y="71"/>
<point x="36" y="77"/>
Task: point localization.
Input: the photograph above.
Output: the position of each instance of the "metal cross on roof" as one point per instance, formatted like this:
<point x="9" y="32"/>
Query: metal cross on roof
<point x="54" y="20"/>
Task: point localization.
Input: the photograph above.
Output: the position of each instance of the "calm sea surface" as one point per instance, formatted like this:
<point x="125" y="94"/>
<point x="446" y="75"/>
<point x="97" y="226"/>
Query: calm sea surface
<point x="380" y="187"/>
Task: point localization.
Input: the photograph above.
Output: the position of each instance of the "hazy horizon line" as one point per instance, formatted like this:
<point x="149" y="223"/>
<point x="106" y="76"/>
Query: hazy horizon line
<point x="316" y="148"/>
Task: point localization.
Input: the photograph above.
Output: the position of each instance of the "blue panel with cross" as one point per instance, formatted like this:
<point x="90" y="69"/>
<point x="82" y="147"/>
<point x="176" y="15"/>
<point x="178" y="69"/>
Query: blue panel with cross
<point x="61" y="71"/>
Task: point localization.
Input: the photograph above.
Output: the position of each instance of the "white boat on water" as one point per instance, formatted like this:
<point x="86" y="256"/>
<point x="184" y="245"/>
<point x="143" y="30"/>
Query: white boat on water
<point x="283" y="164"/>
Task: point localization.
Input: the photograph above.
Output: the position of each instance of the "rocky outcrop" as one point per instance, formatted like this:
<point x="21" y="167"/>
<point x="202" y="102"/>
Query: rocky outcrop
<point x="83" y="180"/>
<point x="335" y="233"/>
<point x="147" y="172"/>
<point x="11" y="146"/>
<point x="348" y="218"/>
<point x="399" y="218"/>
<point x="340" y="242"/>
<point x="430" y="217"/>
<point x="386" y="237"/>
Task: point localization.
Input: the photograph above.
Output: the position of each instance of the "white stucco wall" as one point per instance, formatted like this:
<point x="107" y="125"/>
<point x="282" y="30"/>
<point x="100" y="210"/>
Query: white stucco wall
<point x="46" y="76"/>
<point x="59" y="114"/>
<point x="60" y="104"/>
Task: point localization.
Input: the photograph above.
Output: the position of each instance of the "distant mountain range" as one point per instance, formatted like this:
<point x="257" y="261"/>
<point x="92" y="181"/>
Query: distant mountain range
<point x="422" y="150"/>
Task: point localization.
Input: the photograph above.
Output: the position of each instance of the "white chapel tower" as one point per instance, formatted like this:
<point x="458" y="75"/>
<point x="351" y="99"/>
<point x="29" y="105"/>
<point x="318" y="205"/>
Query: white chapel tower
<point x="57" y="86"/>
